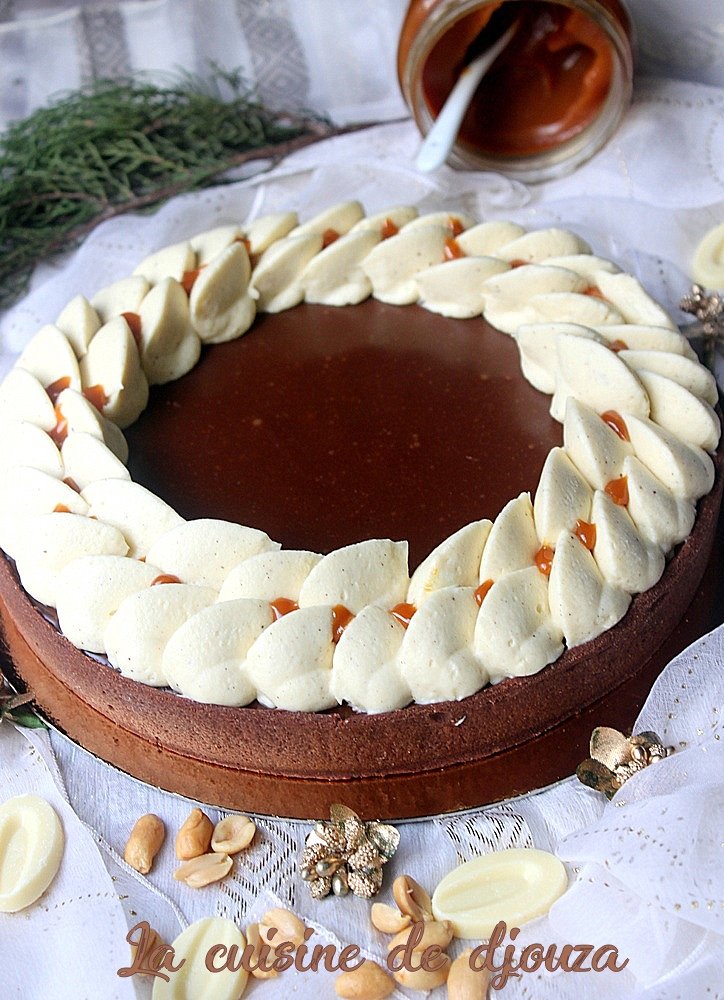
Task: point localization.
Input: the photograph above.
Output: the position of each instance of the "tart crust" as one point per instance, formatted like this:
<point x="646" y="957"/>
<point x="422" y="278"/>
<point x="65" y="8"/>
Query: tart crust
<point x="404" y="764"/>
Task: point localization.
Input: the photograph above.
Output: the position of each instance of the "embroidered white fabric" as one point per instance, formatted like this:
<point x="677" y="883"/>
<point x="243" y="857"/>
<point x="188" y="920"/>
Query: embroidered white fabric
<point x="646" y="869"/>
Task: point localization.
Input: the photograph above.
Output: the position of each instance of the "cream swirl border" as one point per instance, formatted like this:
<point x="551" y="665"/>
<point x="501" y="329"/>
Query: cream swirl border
<point x="92" y="544"/>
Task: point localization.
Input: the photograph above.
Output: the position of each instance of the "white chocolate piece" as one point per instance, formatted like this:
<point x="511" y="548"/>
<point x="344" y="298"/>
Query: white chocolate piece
<point x="593" y="447"/>
<point x="585" y="264"/>
<point x="436" y="658"/>
<point x="49" y="357"/>
<point x="31" y="850"/>
<point x="22" y="443"/>
<point x="638" y="337"/>
<point x="681" y="412"/>
<point x="397" y="217"/>
<point x="267" y="229"/>
<point x="220" y="305"/>
<point x="537" y="246"/>
<point x="334" y="277"/>
<point x="136" y="635"/>
<point x="339" y="218"/>
<point x="169" y="262"/>
<point x="122" y="296"/>
<point x="689" y="374"/>
<point x="487" y="238"/>
<point x="23" y="398"/>
<point x="515" y="886"/>
<point x="595" y="375"/>
<point x="707" y="267"/>
<point x="170" y="346"/>
<point x="364" y="669"/>
<point x="634" y="303"/>
<point x="514" y="633"/>
<point x="194" y="980"/>
<point x="685" y="470"/>
<point x="455" y="562"/>
<point x="508" y="296"/>
<point x="538" y="355"/>
<point x="452" y="222"/>
<point x="512" y="542"/>
<point x="46" y="543"/>
<point x="290" y="664"/>
<point x="140" y="515"/>
<point x="454" y="288"/>
<point x="79" y="322"/>
<point x="91" y="589"/>
<point x="205" y="658"/>
<point x="212" y="242"/>
<point x="660" y="518"/>
<point x="205" y="551"/>
<point x="112" y="361"/>
<point x="624" y="558"/>
<point x="276" y="279"/>
<point x="369" y="572"/>
<point x="393" y="264"/>
<point x="582" y="603"/>
<point x="562" y="498"/>
<point x="269" y="575"/>
<point x="86" y="459"/>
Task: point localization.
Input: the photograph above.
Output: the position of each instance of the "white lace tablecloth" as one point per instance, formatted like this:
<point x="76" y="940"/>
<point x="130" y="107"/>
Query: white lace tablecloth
<point x="647" y="869"/>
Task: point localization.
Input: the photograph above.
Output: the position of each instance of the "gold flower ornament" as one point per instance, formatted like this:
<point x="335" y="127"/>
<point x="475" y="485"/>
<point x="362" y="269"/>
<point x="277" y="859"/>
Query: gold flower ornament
<point x="615" y="757"/>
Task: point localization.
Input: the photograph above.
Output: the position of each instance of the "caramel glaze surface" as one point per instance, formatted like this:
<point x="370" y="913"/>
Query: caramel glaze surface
<point x="325" y="426"/>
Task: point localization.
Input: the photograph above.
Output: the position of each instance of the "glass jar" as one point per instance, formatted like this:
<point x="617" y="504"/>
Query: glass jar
<point x="551" y="100"/>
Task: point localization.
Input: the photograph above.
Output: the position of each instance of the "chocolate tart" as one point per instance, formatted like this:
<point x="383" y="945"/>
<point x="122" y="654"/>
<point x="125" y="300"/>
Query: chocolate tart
<point x="378" y="422"/>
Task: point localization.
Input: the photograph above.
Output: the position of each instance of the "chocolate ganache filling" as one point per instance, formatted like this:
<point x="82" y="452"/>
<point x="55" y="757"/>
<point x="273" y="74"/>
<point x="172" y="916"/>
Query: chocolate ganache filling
<point x="324" y="426"/>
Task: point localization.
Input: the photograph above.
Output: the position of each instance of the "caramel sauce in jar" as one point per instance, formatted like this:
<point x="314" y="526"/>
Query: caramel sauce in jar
<point x="550" y="100"/>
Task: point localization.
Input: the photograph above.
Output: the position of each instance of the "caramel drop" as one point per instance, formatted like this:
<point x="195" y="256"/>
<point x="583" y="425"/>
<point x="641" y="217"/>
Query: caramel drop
<point x="134" y="325"/>
<point x="389" y="228"/>
<point x="617" y="424"/>
<point x="544" y="559"/>
<point x="55" y="388"/>
<point x="60" y="508"/>
<point x="594" y="291"/>
<point x="96" y="395"/>
<point x="165" y="578"/>
<point x="189" y="278"/>
<point x="341" y="617"/>
<point x="282" y="606"/>
<point x="585" y="533"/>
<point x="456" y="225"/>
<point x="403" y="613"/>
<point x="329" y="236"/>
<point x="60" y="432"/>
<point x="618" y="345"/>
<point x="453" y="250"/>
<point x="72" y="483"/>
<point x="617" y="489"/>
<point x="480" y="593"/>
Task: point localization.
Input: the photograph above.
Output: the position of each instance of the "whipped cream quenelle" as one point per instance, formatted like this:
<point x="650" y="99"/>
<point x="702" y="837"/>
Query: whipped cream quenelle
<point x="220" y="612"/>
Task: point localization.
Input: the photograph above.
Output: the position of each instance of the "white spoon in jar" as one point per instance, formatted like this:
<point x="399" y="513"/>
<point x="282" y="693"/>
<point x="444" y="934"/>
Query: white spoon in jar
<point x="441" y="138"/>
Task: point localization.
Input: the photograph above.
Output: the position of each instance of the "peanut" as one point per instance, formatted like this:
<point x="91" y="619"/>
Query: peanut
<point x="288" y="926"/>
<point x="420" y="979"/>
<point x="464" y="983"/>
<point x="145" y="842"/>
<point x="435" y="932"/>
<point x="388" y="919"/>
<point x="194" y="837"/>
<point x="368" y="982"/>
<point x="253" y="939"/>
<point x="232" y="834"/>
<point x="203" y="870"/>
<point x="411" y="898"/>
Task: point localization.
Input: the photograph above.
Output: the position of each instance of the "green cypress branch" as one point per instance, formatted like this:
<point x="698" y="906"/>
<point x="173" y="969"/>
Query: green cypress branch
<point x="128" y="145"/>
